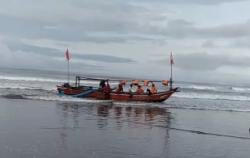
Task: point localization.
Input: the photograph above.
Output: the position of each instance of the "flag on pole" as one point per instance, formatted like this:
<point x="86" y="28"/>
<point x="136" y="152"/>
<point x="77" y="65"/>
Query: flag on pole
<point x="171" y="58"/>
<point x="67" y="54"/>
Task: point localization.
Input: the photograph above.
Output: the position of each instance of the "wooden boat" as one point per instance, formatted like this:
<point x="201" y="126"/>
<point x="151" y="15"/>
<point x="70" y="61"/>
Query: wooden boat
<point x="98" y="93"/>
<point x="104" y="92"/>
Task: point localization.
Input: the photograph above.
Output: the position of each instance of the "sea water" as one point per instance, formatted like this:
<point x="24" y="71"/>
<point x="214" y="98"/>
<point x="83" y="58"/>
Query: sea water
<point x="202" y="120"/>
<point x="41" y="85"/>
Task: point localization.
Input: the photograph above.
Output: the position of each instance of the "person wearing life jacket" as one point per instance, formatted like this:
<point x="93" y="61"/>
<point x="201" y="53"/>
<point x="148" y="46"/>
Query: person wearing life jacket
<point x="139" y="90"/>
<point x="153" y="89"/>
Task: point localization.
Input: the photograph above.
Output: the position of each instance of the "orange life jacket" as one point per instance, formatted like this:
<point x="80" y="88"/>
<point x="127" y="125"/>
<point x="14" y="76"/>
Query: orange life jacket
<point x="139" y="91"/>
<point x="165" y="82"/>
<point x="153" y="90"/>
<point x="146" y="82"/>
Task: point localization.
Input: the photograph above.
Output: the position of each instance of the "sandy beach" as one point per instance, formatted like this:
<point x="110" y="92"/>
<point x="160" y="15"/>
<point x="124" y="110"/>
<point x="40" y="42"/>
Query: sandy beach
<point x="31" y="128"/>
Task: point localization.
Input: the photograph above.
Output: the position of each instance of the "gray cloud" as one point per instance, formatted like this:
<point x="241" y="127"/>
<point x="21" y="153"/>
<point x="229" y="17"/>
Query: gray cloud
<point x="226" y="31"/>
<point x="240" y="43"/>
<point x="56" y="53"/>
<point x="95" y="30"/>
<point x="106" y="4"/>
<point x="113" y="21"/>
<point x="126" y="28"/>
<point x="208" y="44"/>
<point x="201" y="2"/>
<point x="181" y="28"/>
<point x="17" y="46"/>
<point x="103" y="58"/>
<point x="208" y="62"/>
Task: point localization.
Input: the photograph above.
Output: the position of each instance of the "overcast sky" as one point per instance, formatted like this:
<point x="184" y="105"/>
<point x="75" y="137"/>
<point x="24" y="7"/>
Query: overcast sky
<point x="210" y="39"/>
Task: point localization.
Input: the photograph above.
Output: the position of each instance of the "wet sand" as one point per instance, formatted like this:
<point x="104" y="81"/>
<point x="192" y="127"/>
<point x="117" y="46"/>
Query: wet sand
<point x="57" y="129"/>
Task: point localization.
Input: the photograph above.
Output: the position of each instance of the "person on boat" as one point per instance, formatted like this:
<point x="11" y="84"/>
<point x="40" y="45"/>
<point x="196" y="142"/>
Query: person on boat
<point x="102" y="84"/>
<point x="131" y="90"/>
<point x="153" y="89"/>
<point x="107" y="90"/>
<point x="139" y="90"/>
<point x="66" y="85"/>
<point x="149" y="91"/>
<point x="119" y="88"/>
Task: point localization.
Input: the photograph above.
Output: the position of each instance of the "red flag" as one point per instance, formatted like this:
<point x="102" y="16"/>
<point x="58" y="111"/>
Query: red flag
<point x="67" y="55"/>
<point x="171" y="58"/>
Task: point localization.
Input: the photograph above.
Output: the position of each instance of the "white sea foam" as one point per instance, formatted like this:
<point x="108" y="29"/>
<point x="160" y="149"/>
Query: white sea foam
<point x="202" y="87"/>
<point x="240" y="89"/>
<point x="33" y="83"/>
<point x="37" y="79"/>
<point x="53" y="80"/>
<point x="27" y="86"/>
<point x="66" y="99"/>
<point x="212" y="96"/>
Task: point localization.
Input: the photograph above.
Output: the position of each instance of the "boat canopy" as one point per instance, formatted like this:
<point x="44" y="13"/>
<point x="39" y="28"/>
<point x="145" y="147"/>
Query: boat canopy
<point x="121" y="81"/>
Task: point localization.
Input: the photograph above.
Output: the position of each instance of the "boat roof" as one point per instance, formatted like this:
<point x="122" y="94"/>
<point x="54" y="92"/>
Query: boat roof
<point x="80" y="77"/>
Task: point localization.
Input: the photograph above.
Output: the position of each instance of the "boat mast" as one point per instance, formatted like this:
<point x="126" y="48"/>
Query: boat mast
<point x="171" y="70"/>
<point x="67" y="58"/>
<point x="68" y="71"/>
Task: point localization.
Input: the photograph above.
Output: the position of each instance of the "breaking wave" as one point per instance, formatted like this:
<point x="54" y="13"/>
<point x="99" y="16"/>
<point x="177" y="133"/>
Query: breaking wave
<point x="66" y="99"/>
<point x="215" y="88"/>
<point x="240" y="89"/>
<point x="199" y="87"/>
<point x="213" y="96"/>
<point x="208" y="96"/>
<point x="15" y="78"/>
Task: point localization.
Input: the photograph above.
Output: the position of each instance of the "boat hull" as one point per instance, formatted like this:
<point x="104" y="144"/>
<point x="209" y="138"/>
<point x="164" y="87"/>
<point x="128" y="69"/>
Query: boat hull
<point x="158" y="97"/>
<point x="98" y="94"/>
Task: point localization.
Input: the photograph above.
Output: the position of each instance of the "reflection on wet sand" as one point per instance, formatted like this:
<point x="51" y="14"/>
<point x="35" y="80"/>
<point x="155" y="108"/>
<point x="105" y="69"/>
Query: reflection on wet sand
<point x="119" y="126"/>
<point x="148" y="115"/>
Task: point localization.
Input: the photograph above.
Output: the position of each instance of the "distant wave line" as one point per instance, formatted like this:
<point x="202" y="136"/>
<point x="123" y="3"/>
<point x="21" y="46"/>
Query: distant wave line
<point x="211" y="96"/>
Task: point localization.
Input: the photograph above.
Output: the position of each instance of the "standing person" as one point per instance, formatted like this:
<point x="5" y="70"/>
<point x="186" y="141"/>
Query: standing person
<point x="102" y="84"/>
<point x="107" y="90"/>
<point x="108" y="86"/>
